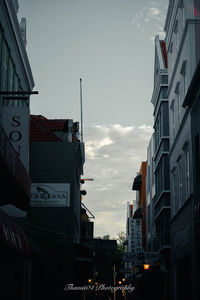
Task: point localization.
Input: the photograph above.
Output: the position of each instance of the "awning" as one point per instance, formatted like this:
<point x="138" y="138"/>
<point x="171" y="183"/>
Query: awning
<point x="137" y="182"/>
<point x="12" y="236"/>
<point x="138" y="213"/>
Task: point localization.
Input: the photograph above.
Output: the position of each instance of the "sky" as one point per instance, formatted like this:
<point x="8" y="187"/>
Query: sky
<point x="110" y="45"/>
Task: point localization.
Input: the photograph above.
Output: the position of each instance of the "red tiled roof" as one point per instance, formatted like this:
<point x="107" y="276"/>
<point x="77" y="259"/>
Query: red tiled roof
<point x="42" y="129"/>
<point x="54" y="125"/>
<point x="51" y="124"/>
<point x="38" y="117"/>
<point x="163" y="46"/>
<point x="39" y="133"/>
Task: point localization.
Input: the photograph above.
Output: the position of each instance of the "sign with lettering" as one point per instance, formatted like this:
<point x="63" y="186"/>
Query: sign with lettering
<point x="135" y="256"/>
<point x="15" y="121"/>
<point x="50" y="195"/>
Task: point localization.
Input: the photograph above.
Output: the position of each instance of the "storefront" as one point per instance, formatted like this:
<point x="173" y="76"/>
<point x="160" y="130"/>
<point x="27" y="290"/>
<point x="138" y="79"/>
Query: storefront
<point x="15" y="260"/>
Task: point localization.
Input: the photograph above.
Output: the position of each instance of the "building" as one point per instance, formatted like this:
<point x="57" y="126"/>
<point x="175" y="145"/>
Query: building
<point x="192" y="103"/>
<point x="150" y="193"/>
<point x="16" y="76"/>
<point x="87" y="226"/>
<point x="161" y="198"/>
<point x="54" y="218"/>
<point x="16" y="82"/>
<point x="182" y="46"/>
<point x="139" y="185"/>
<point x="134" y="229"/>
<point x="133" y="243"/>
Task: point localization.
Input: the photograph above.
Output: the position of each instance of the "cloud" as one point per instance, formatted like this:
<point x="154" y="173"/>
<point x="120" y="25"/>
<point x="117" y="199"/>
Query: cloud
<point x="150" y="18"/>
<point x="153" y="11"/>
<point x="113" y="157"/>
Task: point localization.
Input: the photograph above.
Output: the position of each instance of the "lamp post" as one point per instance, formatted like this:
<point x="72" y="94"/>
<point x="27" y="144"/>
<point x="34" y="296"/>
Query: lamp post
<point x="114" y="279"/>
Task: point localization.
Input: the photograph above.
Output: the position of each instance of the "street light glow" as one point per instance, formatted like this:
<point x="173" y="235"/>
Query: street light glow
<point x="146" y="266"/>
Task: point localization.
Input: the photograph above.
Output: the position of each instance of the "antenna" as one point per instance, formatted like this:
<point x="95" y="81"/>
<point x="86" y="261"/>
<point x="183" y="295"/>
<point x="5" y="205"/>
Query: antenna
<point x="81" y="102"/>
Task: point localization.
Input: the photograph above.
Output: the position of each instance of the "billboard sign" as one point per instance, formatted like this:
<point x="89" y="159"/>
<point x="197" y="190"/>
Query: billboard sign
<point x="50" y="195"/>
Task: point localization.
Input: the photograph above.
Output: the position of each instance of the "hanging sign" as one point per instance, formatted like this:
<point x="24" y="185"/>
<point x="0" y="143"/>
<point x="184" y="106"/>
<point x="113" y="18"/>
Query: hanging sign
<point x="50" y="195"/>
<point x="15" y="121"/>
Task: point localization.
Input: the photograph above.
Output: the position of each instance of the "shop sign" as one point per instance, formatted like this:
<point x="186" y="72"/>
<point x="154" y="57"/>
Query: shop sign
<point x="15" y="121"/>
<point x="50" y="195"/>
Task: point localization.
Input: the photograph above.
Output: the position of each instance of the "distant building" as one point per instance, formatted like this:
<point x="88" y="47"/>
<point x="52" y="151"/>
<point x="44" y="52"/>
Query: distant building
<point x="150" y="194"/>
<point x="133" y="244"/>
<point x="87" y="226"/>
<point x="56" y="164"/>
<point x="161" y="199"/>
<point x="139" y="185"/>
<point x="134" y="229"/>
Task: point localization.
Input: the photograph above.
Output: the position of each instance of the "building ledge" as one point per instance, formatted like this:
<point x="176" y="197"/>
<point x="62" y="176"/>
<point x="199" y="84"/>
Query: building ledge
<point x="164" y="137"/>
<point x="160" y="196"/>
<point x="161" y="210"/>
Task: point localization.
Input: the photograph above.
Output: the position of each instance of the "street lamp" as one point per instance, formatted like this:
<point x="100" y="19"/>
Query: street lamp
<point x="146" y="266"/>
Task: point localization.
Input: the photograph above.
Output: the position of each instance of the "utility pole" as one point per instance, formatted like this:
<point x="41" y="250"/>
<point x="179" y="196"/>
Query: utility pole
<point x="114" y="277"/>
<point x="81" y="103"/>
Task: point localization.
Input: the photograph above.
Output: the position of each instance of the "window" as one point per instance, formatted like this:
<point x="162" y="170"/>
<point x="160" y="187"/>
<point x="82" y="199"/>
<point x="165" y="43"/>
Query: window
<point x="138" y="222"/>
<point x="160" y="124"/>
<point x="164" y="92"/>
<point x="180" y="183"/>
<point x="174" y="194"/>
<point x="16" y="82"/>
<point x="172" y="58"/>
<point x="164" y="79"/>
<point x="178" y="97"/>
<point x="11" y="75"/>
<point x="158" y="129"/>
<point x="184" y="79"/>
<point x="182" y="14"/>
<point x="173" y="119"/>
<point x="187" y="173"/>
<point x="197" y="159"/>
<point x="176" y="36"/>
<point x="5" y="66"/>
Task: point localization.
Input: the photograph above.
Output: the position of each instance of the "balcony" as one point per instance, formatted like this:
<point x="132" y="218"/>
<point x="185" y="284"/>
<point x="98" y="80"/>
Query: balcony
<point x="162" y="202"/>
<point x="14" y="179"/>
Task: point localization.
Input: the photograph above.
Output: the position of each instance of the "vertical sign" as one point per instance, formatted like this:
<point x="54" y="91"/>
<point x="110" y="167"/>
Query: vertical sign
<point x="15" y="121"/>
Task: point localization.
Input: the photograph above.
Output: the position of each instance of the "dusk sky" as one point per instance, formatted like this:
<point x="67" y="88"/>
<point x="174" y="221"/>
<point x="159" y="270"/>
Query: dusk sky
<point x="110" y="45"/>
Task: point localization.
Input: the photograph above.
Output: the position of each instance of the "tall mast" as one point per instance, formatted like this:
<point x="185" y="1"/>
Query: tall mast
<point x="81" y="102"/>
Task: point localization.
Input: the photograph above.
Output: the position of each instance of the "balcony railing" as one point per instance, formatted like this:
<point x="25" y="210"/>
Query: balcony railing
<point x="12" y="170"/>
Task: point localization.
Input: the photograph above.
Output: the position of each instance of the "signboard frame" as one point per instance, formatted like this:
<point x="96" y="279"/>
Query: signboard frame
<point x="50" y="195"/>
